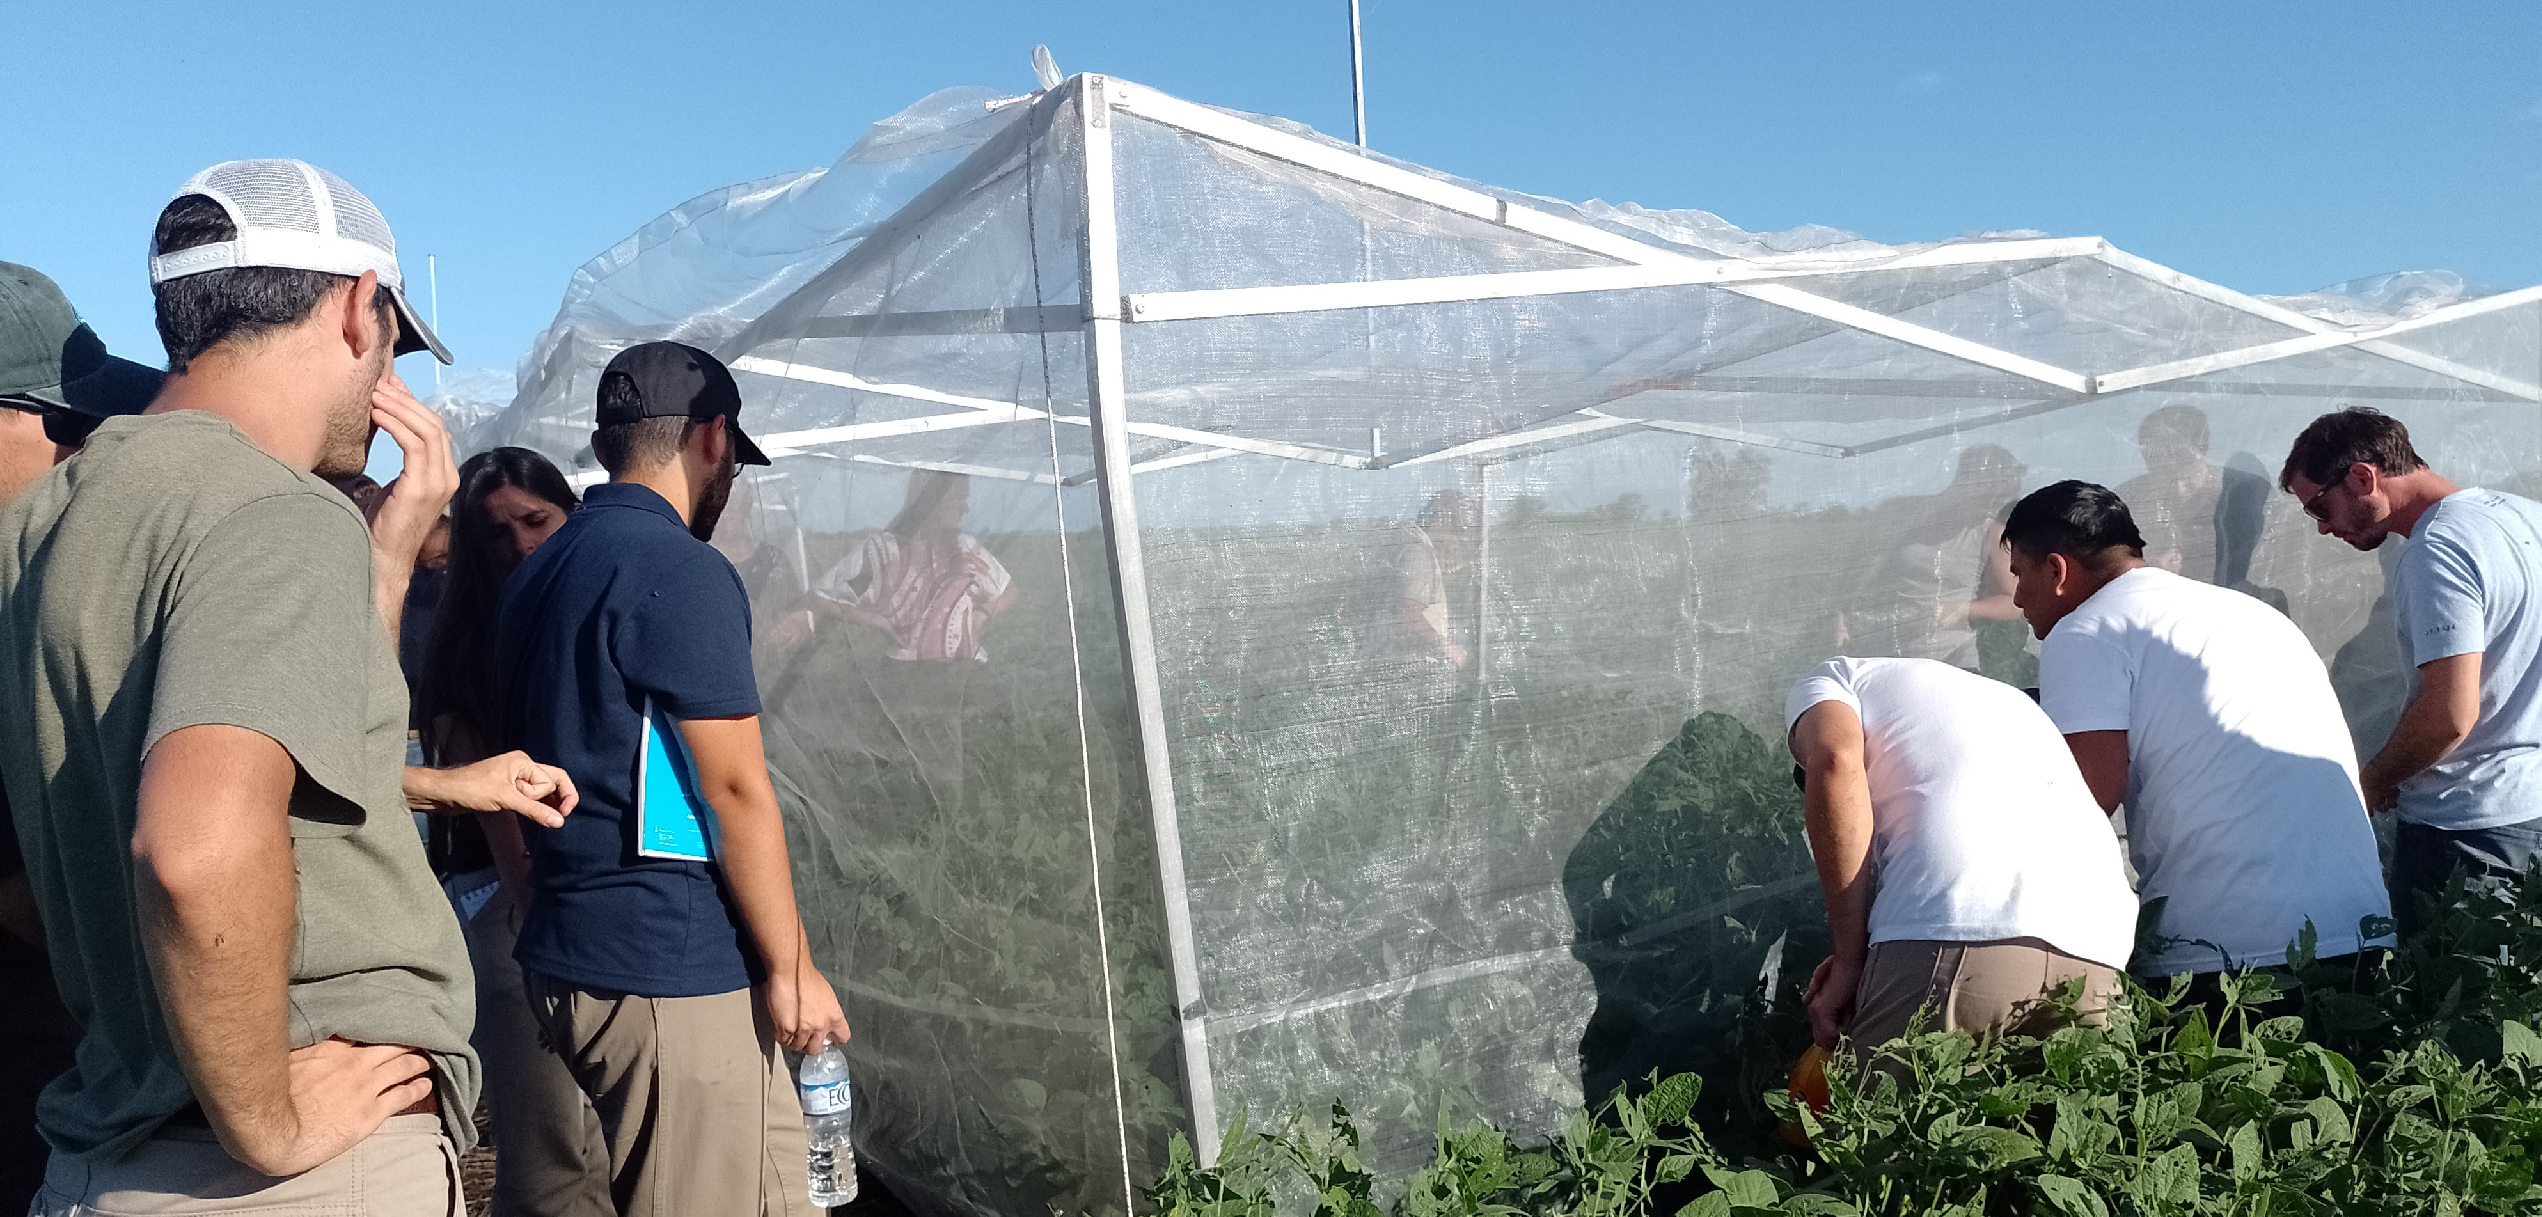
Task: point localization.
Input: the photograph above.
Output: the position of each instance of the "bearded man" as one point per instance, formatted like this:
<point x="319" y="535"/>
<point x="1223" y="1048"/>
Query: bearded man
<point x="666" y="976"/>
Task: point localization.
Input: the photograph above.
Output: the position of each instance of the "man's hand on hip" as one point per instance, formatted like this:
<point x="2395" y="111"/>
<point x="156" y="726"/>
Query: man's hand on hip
<point x="340" y="1093"/>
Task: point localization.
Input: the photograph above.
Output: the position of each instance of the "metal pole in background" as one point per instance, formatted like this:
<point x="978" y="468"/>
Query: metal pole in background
<point x="1358" y="94"/>
<point x="432" y="272"/>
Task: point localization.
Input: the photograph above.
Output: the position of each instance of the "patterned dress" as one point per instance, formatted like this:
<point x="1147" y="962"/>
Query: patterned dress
<point x="935" y="607"/>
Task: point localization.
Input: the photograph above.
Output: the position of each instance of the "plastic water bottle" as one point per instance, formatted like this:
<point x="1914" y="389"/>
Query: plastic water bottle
<point x="821" y="1084"/>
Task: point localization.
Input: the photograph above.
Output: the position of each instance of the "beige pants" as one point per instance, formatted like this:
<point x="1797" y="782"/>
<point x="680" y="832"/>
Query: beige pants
<point x="695" y="1105"/>
<point x="1998" y="987"/>
<point x="549" y="1158"/>
<point x="406" y="1169"/>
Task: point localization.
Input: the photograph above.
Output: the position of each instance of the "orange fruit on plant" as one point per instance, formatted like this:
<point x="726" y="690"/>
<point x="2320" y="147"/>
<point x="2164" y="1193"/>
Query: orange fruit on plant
<point x="1807" y="1086"/>
<point x="1808" y="1082"/>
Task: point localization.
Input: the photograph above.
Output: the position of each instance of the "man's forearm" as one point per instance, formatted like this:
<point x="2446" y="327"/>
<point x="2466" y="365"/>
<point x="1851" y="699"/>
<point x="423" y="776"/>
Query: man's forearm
<point x="389" y="580"/>
<point x="2422" y="737"/>
<point x="430" y="790"/>
<point x="1848" y="909"/>
<point x="1839" y="829"/>
<point x="732" y="775"/>
<point x="217" y="901"/>
<point x="2437" y="720"/>
<point x="754" y="861"/>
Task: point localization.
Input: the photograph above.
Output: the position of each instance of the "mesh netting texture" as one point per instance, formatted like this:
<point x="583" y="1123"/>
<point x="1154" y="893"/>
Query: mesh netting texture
<point x="1292" y="626"/>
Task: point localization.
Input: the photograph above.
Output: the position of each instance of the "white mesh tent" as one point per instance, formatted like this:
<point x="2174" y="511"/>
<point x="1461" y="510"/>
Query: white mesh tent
<point x="1358" y="674"/>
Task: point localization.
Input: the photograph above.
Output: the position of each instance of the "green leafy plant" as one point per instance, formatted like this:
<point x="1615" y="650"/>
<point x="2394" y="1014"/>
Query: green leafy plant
<point x="2410" y="1083"/>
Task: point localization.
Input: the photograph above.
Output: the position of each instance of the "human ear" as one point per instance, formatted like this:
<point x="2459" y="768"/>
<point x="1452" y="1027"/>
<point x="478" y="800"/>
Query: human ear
<point x="361" y="322"/>
<point x="711" y="442"/>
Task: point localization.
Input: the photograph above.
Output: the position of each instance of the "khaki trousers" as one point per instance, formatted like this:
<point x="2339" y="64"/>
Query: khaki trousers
<point x="549" y="1159"/>
<point x="695" y="1105"/>
<point x="406" y="1169"/>
<point x="2000" y="987"/>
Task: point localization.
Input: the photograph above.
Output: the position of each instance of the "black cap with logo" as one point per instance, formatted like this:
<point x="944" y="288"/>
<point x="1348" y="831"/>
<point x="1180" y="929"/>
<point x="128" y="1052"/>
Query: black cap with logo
<point x="673" y="380"/>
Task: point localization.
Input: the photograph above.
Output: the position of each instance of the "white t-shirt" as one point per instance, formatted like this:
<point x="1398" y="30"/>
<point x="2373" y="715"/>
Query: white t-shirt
<point x="1982" y="828"/>
<point x="2242" y="803"/>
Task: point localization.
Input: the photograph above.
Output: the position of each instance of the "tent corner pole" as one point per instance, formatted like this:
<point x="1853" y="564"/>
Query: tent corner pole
<point x="1107" y="395"/>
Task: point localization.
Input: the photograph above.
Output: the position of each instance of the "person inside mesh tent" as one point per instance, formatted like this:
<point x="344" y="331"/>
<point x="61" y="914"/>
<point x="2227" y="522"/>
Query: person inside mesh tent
<point x="205" y="764"/>
<point x="549" y="1158"/>
<point x="1996" y="880"/>
<point x="662" y="952"/>
<point x="921" y="581"/>
<point x="922" y="592"/>
<point x="2463" y="766"/>
<point x="1941" y="576"/>
<point x="2199" y="519"/>
<point x="2210" y="717"/>
<point x="1433" y="572"/>
<point x="57" y="383"/>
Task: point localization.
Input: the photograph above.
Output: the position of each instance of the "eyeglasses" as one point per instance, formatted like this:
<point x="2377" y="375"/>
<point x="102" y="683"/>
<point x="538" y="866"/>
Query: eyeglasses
<point x="23" y="405"/>
<point x="2313" y="507"/>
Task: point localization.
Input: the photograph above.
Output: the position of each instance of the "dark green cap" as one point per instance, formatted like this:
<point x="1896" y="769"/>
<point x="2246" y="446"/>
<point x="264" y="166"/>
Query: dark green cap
<point x="48" y="355"/>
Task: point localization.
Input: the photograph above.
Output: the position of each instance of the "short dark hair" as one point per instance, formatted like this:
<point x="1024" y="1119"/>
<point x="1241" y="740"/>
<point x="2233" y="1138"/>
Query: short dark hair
<point x="641" y="444"/>
<point x="2081" y="520"/>
<point x="2341" y="438"/>
<point x="199" y="312"/>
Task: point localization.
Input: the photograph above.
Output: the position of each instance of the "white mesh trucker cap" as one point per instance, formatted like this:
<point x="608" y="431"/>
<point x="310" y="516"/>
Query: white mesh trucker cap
<point x="294" y="215"/>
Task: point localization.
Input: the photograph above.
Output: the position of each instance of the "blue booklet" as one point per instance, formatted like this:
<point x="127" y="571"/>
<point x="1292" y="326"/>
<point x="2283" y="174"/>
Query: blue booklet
<point x="672" y="819"/>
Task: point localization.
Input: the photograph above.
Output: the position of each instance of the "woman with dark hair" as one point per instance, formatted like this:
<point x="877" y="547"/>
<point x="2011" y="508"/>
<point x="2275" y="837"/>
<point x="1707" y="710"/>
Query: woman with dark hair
<point x="549" y="1158"/>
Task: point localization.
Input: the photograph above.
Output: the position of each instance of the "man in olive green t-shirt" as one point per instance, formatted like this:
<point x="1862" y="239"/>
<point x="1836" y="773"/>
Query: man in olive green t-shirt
<point x="207" y="779"/>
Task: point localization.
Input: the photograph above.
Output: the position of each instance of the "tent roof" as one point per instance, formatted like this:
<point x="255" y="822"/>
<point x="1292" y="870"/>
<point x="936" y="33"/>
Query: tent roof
<point x="1295" y="297"/>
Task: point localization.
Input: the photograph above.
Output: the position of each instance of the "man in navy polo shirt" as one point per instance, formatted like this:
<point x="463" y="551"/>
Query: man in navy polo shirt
<point x="641" y="967"/>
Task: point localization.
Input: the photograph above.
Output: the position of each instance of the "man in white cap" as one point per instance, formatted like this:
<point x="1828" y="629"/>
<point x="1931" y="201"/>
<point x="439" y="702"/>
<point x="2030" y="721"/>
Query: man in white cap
<point x="204" y="750"/>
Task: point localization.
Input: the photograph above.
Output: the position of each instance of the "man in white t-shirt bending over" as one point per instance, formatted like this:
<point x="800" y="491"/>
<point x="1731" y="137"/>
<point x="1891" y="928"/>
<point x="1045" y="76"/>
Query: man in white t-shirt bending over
<point x="2209" y="715"/>
<point x="1996" y="879"/>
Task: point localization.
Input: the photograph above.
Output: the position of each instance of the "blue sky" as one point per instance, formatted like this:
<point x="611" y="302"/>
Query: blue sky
<point x="2275" y="147"/>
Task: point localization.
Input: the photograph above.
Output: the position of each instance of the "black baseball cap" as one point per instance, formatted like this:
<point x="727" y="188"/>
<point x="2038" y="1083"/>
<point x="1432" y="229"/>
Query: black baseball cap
<point x="53" y="360"/>
<point x="674" y="380"/>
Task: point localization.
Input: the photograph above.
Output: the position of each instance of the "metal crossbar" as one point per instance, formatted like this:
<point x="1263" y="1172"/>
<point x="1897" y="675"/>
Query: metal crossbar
<point x="1637" y="264"/>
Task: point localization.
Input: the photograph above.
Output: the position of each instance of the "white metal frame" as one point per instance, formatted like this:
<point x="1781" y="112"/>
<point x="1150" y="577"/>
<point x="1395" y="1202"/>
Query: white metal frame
<point x="1107" y="396"/>
<point x="1631" y="264"/>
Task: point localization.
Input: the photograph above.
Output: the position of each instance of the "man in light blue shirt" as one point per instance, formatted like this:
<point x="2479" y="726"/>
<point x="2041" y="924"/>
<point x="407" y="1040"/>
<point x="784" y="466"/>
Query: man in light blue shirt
<point x="2464" y="765"/>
